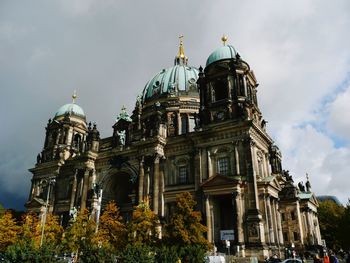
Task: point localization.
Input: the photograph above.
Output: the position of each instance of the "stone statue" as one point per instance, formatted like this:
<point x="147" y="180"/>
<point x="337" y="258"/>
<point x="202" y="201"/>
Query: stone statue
<point x="38" y="158"/>
<point x="308" y="186"/>
<point x="121" y="136"/>
<point x="287" y="176"/>
<point x="301" y="186"/>
<point x="73" y="212"/>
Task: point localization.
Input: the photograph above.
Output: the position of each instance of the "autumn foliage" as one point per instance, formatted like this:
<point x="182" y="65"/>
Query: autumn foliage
<point x="185" y="227"/>
<point x="138" y="240"/>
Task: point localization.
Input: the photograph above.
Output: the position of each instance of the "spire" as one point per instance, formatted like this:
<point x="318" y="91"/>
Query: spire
<point x="224" y="39"/>
<point x="74" y="96"/>
<point x="181" y="59"/>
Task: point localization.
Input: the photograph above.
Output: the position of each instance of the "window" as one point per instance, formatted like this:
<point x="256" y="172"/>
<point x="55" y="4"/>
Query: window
<point x="292" y="214"/>
<point x="183" y="124"/>
<point x="219" y="89"/>
<point x="295" y="236"/>
<point x="182" y="175"/>
<point x="283" y="217"/>
<point x="192" y="124"/>
<point x="285" y="236"/>
<point x="223" y="166"/>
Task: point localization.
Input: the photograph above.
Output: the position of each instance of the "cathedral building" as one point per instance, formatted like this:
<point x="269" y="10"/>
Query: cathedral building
<point x="198" y="130"/>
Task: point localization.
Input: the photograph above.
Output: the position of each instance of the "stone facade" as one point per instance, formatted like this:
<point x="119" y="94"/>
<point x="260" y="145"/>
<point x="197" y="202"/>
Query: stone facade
<point x="196" y="130"/>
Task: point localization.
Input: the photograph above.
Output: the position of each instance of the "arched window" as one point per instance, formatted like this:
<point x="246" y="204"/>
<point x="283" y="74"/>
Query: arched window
<point x="76" y="141"/>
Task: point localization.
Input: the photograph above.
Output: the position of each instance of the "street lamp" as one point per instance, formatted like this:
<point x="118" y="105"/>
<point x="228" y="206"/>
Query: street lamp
<point x="51" y="181"/>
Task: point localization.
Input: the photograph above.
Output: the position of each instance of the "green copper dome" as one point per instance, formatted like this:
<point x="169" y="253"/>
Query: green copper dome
<point x="224" y="52"/>
<point x="70" y="108"/>
<point x="171" y="81"/>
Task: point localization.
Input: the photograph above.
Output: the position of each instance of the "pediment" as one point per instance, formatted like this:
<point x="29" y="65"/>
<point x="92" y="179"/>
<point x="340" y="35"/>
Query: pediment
<point x="271" y="181"/>
<point x="35" y="203"/>
<point x="219" y="180"/>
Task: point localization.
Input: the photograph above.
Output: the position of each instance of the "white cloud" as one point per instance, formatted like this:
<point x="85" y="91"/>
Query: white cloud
<point x="307" y="150"/>
<point x="339" y="112"/>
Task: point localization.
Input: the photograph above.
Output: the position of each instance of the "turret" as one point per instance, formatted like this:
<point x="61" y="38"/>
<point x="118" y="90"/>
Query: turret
<point x="227" y="88"/>
<point x="65" y="134"/>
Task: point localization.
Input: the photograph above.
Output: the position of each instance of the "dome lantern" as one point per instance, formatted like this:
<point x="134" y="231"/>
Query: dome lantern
<point x="180" y="58"/>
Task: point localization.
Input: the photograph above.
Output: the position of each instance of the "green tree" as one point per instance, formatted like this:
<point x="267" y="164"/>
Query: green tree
<point x="185" y="226"/>
<point x="9" y="231"/>
<point x="330" y="215"/>
<point x="143" y="228"/>
<point x="137" y="253"/>
<point x="111" y="230"/>
<point x="344" y="228"/>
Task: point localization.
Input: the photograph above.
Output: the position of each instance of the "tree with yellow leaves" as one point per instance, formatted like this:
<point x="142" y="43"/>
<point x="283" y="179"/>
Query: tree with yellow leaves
<point x="111" y="230"/>
<point x="185" y="226"/>
<point x="9" y="231"/>
<point x="80" y="233"/>
<point x="144" y="226"/>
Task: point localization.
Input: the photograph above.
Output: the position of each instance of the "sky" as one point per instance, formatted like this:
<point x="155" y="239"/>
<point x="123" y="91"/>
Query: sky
<point x="107" y="50"/>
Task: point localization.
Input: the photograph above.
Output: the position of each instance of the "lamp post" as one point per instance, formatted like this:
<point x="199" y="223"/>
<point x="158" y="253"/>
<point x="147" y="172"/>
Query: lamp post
<point x="51" y="181"/>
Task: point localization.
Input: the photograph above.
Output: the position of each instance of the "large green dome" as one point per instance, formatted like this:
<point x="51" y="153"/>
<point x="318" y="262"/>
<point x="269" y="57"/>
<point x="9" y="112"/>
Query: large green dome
<point x="70" y="108"/>
<point x="171" y="81"/>
<point x="222" y="53"/>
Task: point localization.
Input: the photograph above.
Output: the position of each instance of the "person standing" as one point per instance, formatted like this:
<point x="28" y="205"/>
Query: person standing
<point x="333" y="258"/>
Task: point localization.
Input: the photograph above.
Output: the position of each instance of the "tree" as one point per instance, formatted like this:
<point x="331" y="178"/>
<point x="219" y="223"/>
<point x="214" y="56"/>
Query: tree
<point x="143" y="228"/>
<point x="2" y="210"/>
<point x="9" y="231"/>
<point x="329" y="216"/>
<point x="53" y="231"/>
<point x="30" y="230"/>
<point x="344" y="227"/>
<point x="185" y="226"/>
<point x="111" y="230"/>
<point x="80" y="234"/>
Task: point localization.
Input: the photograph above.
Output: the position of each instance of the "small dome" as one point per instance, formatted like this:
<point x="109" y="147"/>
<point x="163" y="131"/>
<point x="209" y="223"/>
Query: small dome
<point x="224" y="52"/>
<point x="70" y="108"/>
<point x="170" y="81"/>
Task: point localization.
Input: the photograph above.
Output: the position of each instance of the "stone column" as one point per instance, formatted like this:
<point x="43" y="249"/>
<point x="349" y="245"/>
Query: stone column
<point x="279" y="224"/>
<point x="208" y="217"/>
<point x="156" y="184"/>
<point x="237" y="158"/>
<point x="74" y="190"/>
<point x="147" y="183"/>
<point x="271" y="234"/>
<point x="85" y="190"/>
<point x="141" y="179"/>
<point x="267" y="228"/>
<point x="161" y="191"/>
<point x="309" y="230"/>
<point x="179" y="128"/>
<point x="275" y="224"/>
<point x="239" y="217"/>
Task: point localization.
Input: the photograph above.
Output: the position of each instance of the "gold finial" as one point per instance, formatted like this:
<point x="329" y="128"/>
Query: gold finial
<point x="224" y="39"/>
<point x="181" y="53"/>
<point x="74" y="96"/>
